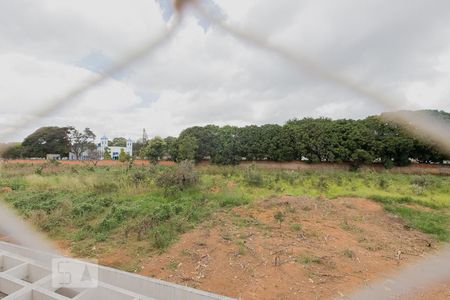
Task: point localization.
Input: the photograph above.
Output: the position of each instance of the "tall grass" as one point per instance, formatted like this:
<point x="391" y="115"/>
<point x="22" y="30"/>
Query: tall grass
<point x="110" y="205"/>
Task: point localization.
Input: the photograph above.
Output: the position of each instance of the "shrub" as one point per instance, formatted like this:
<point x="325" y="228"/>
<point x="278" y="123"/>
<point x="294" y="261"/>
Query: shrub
<point x="162" y="236"/>
<point x="117" y="215"/>
<point x="383" y="183"/>
<point x="279" y="216"/>
<point x="253" y="176"/>
<point x="138" y="177"/>
<point x="296" y="227"/>
<point x="181" y="176"/>
<point x="419" y="184"/>
<point x="322" y="183"/>
<point x="39" y="169"/>
<point x="359" y="158"/>
<point x="289" y="176"/>
<point x="349" y="253"/>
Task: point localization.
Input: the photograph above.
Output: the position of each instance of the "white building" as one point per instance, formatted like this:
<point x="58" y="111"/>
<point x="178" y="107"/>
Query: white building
<point x="102" y="146"/>
<point x="115" y="150"/>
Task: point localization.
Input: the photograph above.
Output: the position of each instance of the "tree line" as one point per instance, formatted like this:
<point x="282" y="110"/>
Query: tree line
<point x="310" y="139"/>
<point x="315" y="140"/>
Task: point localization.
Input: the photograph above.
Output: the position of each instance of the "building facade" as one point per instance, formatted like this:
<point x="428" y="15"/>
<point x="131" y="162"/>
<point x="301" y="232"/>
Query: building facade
<point x="102" y="147"/>
<point x="115" y="150"/>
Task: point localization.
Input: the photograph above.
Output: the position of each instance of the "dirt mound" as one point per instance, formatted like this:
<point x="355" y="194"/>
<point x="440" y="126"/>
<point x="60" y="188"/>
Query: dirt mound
<point x="312" y="249"/>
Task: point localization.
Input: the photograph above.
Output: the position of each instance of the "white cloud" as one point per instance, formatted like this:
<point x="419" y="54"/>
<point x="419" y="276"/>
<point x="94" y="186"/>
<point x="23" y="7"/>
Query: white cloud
<point x="27" y="84"/>
<point x="205" y="76"/>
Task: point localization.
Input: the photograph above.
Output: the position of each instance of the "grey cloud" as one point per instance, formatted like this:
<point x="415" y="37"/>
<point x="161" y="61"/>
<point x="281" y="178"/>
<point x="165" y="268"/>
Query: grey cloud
<point x="205" y="77"/>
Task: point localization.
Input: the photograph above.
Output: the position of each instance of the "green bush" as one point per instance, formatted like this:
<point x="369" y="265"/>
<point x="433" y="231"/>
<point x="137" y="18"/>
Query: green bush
<point x="181" y="176"/>
<point x="289" y="176"/>
<point x="322" y="183"/>
<point x="419" y="181"/>
<point x="39" y="169"/>
<point x="383" y="183"/>
<point x="162" y="236"/>
<point x="118" y="214"/>
<point x="138" y="177"/>
<point x="253" y="176"/>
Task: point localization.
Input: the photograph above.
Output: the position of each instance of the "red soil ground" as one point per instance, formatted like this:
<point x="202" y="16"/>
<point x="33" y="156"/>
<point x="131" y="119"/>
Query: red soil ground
<point x="337" y="247"/>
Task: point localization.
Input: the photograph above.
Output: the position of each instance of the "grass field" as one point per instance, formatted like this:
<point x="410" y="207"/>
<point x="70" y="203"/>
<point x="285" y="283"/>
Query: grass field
<point x="147" y="208"/>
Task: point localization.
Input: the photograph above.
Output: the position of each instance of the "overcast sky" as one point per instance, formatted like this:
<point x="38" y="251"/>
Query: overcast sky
<point x="203" y="76"/>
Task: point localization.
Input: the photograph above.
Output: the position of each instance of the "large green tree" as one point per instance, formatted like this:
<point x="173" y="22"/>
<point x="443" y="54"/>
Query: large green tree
<point x="47" y="140"/>
<point x="228" y="148"/>
<point x="81" y="141"/>
<point x="12" y="151"/>
<point x="155" y="149"/>
<point x="276" y="143"/>
<point x="251" y="142"/>
<point x="172" y="147"/>
<point x="187" y="146"/>
<point x="207" y="139"/>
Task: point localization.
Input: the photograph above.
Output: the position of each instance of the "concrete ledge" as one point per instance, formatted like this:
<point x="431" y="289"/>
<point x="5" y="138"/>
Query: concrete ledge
<point x="25" y="274"/>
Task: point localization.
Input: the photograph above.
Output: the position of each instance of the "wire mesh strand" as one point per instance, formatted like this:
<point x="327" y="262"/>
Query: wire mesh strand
<point x="434" y="129"/>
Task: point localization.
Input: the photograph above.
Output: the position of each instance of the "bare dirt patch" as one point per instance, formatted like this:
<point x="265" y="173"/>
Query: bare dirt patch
<point x="321" y="249"/>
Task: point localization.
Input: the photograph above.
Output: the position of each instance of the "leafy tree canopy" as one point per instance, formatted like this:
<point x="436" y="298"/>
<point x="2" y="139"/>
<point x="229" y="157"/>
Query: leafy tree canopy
<point x="47" y="140"/>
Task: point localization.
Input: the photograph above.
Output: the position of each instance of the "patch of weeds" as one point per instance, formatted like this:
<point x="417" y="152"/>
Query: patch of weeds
<point x="420" y="181"/>
<point x="434" y="223"/>
<point x="307" y="259"/>
<point x="172" y="265"/>
<point x="84" y="248"/>
<point x="417" y="189"/>
<point x="105" y="187"/>
<point x="180" y="177"/>
<point x="392" y="200"/>
<point x="231" y="200"/>
<point x="322" y="184"/>
<point x="296" y="227"/>
<point x="186" y="252"/>
<point x="311" y="233"/>
<point x="279" y="216"/>
<point x="39" y="169"/>
<point x="289" y="176"/>
<point x="361" y="239"/>
<point x="242" y="248"/>
<point x="245" y="221"/>
<point x="383" y="183"/>
<point x="162" y="236"/>
<point x="358" y="218"/>
<point x="349" y="205"/>
<point x="306" y="208"/>
<point x="100" y="237"/>
<point x="372" y="246"/>
<point x="138" y="177"/>
<point x="253" y="176"/>
<point x="348" y="253"/>
<point x="290" y="209"/>
<point x="227" y="236"/>
<point x="345" y="225"/>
